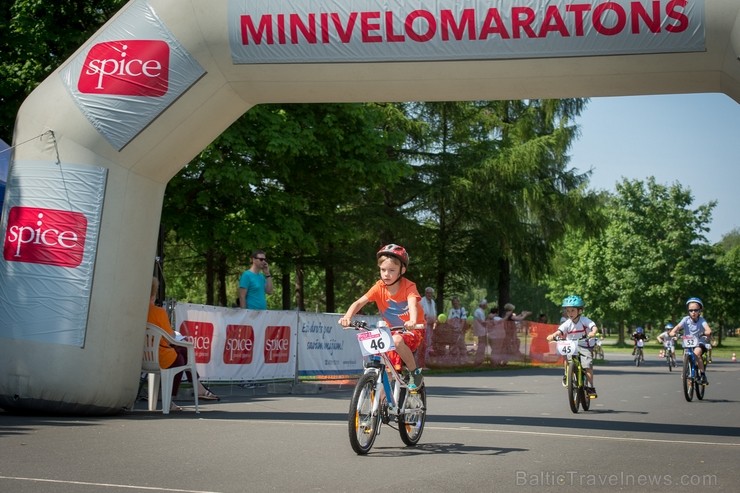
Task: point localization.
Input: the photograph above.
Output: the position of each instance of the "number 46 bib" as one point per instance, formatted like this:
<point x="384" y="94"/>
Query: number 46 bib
<point x="375" y="341"/>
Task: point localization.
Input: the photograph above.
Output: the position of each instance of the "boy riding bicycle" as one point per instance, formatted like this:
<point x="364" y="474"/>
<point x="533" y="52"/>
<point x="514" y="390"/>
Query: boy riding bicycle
<point x="694" y="324"/>
<point x="398" y="302"/>
<point x="669" y="343"/>
<point x="640" y="339"/>
<point x="577" y="327"/>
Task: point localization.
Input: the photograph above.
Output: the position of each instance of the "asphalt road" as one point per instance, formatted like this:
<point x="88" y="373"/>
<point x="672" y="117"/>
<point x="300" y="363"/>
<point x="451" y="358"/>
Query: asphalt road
<point x="498" y="430"/>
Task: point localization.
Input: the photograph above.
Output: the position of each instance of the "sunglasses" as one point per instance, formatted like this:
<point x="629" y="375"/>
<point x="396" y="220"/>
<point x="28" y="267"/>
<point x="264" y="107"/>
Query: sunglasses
<point x="693" y="310"/>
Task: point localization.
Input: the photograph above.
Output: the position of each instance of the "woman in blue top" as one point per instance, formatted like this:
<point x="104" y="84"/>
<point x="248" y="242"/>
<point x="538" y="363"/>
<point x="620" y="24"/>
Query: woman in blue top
<point x="694" y="324"/>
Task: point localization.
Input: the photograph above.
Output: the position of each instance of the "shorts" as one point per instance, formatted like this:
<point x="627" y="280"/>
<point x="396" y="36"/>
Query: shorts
<point x="586" y="357"/>
<point x="412" y="338"/>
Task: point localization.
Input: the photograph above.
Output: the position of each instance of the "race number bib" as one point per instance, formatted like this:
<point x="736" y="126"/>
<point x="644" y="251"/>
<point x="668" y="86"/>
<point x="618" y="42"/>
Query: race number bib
<point x="690" y="341"/>
<point x="375" y="341"/>
<point x="640" y="343"/>
<point x="567" y="348"/>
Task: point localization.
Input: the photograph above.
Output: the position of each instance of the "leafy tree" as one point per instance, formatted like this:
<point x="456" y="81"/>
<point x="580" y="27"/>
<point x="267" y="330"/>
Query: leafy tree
<point x="723" y="309"/>
<point x="35" y="38"/>
<point x="650" y="257"/>
<point x="497" y="191"/>
<point x="293" y="180"/>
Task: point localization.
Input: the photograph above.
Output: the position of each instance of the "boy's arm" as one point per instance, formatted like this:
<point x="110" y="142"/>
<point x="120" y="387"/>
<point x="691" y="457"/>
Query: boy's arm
<point x="594" y="330"/>
<point x="353" y="308"/>
<point x="554" y="334"/>
<point x="413" y="311"/>
<point x="674" y="330"/>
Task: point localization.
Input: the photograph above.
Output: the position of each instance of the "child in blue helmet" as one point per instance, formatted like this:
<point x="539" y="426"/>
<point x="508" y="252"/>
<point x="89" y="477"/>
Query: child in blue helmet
<point x="694" y="324"/>
<point x="580" y="328"/>
<point x="640" y="339"/>
<point x="669" y="343"/>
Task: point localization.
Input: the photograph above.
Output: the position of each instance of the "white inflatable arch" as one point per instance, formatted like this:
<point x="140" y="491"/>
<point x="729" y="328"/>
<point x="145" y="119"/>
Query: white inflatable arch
<point x="97" y="142"/>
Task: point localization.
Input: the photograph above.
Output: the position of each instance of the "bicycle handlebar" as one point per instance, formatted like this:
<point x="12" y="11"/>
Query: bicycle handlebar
<point x="363" y="325"/>
<point x="566" y="339"/>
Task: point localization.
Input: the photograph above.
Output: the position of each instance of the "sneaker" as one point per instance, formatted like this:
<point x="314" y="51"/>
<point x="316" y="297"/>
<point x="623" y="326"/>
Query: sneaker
<point x="704" y="379"/>
<point x="417" y="380"/>
<point x="591" y="392"/>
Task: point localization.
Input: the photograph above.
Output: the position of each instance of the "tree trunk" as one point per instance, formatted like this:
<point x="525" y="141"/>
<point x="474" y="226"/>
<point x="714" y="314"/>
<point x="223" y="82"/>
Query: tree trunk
<point x="210" y="274"/>
<point x="299" y="298"/>
<point x="159" y="266"/>
<point x="286" y="289"/>
<point x="331" y="300"/>
<point x="504" y="283"/>
<point x="222" y="271"/>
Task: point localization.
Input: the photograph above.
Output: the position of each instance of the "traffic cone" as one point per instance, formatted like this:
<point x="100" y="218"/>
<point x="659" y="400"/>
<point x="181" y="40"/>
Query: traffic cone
<point x="734" y="359"/>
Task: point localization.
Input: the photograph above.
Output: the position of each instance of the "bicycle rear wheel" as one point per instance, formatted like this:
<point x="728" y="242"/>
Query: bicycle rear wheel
<point x="411" y="423"/>
<point x="688" y="380"/>
<point x="698" y="387"/>
<point x="573" y="387"/>
<point x="363" y="424"/>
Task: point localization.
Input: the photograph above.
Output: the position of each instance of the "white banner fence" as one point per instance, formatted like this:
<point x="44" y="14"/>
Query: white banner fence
<point x="233" y="344"/>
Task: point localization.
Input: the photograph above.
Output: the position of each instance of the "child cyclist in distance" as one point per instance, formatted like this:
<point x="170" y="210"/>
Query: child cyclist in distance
<point x="694" y="324"/>
<point x="398" y="301"/>
<point x="577" y="327"/>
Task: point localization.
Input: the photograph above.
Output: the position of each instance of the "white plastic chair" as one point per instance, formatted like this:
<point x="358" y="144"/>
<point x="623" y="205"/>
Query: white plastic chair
<point x="150" y="365"/>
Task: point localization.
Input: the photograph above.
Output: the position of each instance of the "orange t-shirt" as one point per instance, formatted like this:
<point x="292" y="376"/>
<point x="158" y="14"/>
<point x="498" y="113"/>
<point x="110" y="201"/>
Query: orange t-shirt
<point x="158" y="316"/>
<point x="395" y="309"/>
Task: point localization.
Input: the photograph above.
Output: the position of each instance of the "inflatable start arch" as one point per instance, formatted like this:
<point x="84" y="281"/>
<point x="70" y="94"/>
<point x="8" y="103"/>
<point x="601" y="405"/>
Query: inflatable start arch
<point x="97" y="141"/>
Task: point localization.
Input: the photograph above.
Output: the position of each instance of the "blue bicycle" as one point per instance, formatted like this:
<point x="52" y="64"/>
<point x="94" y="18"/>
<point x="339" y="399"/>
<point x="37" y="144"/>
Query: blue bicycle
<point x="690" y="377"/>
<point x="381" y="395"/>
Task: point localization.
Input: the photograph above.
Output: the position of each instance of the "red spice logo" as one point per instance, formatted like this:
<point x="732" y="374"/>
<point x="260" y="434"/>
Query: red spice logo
<point x="239" y="347"/>
<point x="126" y="68"/>
<point x="277" y="344"/>
<point x="201" y="335"/>
<point x="45" y="236"/>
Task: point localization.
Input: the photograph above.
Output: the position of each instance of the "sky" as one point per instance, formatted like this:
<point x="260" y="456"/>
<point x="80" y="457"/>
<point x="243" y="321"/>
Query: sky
<point x="692" y="139"/>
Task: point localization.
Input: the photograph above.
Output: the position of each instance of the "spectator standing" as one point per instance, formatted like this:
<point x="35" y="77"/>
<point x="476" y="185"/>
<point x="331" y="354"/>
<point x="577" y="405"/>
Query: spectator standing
<point x="430" y="321"/>
<point x="480" y="331"/>
<point x="457" y="318"/>
<point x="255" y="283"/>
<point x="512" y="326"/>
<point x="457" y="311"/>
<point x="509" y="313"/>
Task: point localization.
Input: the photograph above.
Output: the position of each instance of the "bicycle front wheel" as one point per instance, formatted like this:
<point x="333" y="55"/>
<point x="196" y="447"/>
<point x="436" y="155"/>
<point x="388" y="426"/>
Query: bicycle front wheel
<point x="411" y="423"/>
<point x="688" y="380"/>
<point x="363" y="424"/>
<point x="573" y="387"/>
